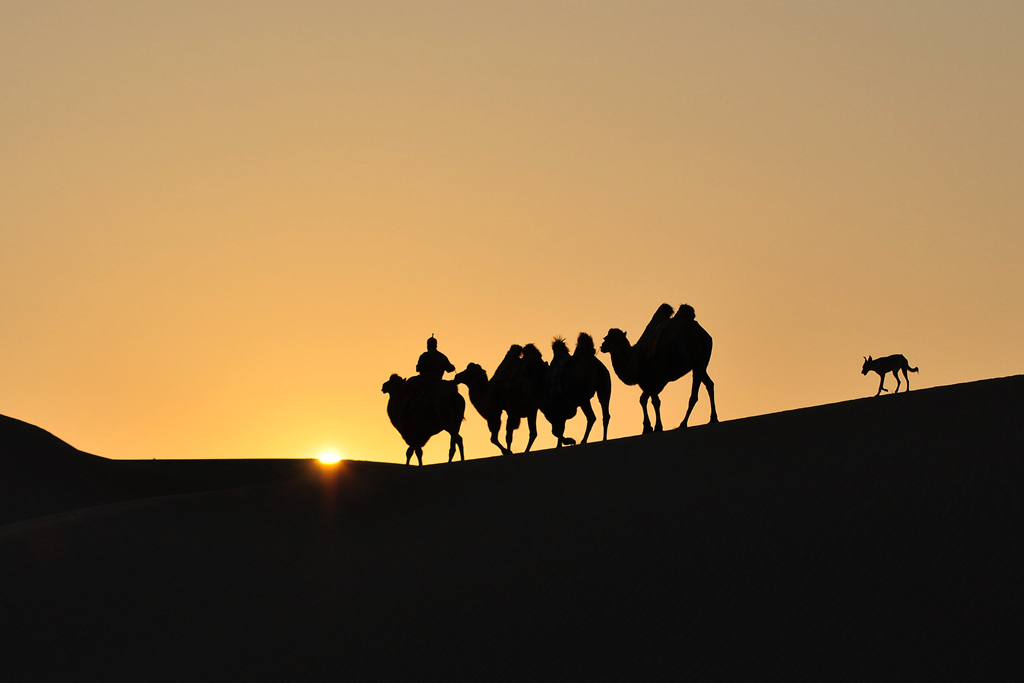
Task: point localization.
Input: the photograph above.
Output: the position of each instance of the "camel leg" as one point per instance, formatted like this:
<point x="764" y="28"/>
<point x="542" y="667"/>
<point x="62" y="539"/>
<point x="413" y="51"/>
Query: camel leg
<point x="605" y="415"/>
<point x="588" y="412"/>
<point x="559" y="431"/>
<point x="906" y="377"/>
<point x="896" y="374"/>
<point x="419" y="456"/>
<point x="508" y="439"/>
<point x="455" y="441"/>
<point x="656" y="402"/>
<point x="531" y="421"/>
<point x="495" y="426"/>
<point x="511" y="424"/>
<point x="710" y="386"/>
<point x="643" y="404"/>
<point x="694" y="392"/>
<point x="408" y="455"/>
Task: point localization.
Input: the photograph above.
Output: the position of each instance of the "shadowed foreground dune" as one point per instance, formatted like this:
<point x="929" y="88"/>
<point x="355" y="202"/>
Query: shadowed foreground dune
<point x="877" y="539"/>
<point x="40" y="474"/>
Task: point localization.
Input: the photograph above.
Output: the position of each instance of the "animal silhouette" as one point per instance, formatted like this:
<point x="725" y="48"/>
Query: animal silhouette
<point x="505" y="392"/>
<point x="568" y="384"/>
<point x="419" y="407"/>
<point x="670" y="347"/>
<point x="892" y="364"/>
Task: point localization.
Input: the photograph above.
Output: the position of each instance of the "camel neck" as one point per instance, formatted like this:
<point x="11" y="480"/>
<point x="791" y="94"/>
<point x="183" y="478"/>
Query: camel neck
<point x="479" y="394"/>
<point x="624" y="363"/>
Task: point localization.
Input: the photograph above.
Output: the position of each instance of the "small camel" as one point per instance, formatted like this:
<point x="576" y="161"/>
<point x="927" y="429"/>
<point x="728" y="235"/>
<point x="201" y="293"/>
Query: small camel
<point x="504" y="392"/>
<point x="420" y="407"/>
<point x="883" y="366"/>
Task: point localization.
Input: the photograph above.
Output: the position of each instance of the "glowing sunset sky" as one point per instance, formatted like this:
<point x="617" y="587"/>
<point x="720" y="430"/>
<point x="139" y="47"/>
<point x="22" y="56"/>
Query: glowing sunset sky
<point x="223" y="225"/>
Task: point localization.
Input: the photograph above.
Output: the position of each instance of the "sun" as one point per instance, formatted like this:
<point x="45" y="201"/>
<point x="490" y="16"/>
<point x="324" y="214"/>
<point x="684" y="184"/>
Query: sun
<point x="329" y="458"/>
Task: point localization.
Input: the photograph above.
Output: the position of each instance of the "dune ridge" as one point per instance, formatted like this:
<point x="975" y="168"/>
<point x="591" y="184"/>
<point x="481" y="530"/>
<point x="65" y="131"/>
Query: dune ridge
<point x="875" y="539"/>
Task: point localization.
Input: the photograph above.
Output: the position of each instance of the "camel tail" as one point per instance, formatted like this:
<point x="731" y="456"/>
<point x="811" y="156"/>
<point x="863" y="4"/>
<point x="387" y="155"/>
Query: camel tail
<point x="912" y="369"/>
<point x="584" y="345"/>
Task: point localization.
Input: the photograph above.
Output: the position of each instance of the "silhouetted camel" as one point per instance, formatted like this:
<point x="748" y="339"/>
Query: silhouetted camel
<point x="420" y="407"/>
<point x="505" y="392"/>
<point x="670" y="347"/>
<point x="568" y="383"/>
<point x="892" y="364"/>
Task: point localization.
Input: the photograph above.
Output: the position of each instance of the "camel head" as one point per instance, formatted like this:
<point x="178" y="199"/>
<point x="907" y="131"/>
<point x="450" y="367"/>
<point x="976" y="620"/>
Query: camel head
<point x="614" y="340"/>
<point x="472" y="373"/>
<point x="867" y="361"/>
<point x="394" y="383"/>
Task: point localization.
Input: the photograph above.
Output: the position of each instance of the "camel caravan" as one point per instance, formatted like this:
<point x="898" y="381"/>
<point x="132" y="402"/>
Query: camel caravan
<point x="672" y="345"/>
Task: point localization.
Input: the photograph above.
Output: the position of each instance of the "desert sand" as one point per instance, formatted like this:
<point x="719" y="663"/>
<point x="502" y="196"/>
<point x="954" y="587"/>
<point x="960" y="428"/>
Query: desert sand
<point x="876" y="539"/>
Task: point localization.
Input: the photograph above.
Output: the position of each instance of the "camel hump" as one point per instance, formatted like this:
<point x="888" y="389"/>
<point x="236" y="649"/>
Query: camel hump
<point x="584" y="346"/>
<point x="532" y="352"/>
<point x="509" y="366"/>
<point x="664" y="312"/>
<point x="686" y="312"/>
<point x="648" y="341"/>
<point x="658" y="320"/>
<point x="559" y="347"/>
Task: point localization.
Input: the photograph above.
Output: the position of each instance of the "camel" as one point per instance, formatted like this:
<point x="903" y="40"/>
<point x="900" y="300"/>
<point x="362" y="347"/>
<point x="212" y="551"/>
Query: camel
<point x="504" y="392"/>
<point x="670" y="347"/>
<point x="419" y="408"/>
<point x="886" y="365"/>
<point x="568" y="383"/>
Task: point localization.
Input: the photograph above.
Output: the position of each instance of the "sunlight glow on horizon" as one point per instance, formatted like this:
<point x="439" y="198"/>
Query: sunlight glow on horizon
<point x="330" y="458"/>
<point x="221" y="231"/>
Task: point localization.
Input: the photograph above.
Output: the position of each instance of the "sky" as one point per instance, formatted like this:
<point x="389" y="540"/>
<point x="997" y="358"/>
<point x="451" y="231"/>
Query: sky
<point x="223" y="225"/>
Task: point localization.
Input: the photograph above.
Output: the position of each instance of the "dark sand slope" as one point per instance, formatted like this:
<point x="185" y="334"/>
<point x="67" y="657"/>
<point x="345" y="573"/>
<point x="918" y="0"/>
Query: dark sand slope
<point x="878" y="539"/>
<point x="41" y="475"/>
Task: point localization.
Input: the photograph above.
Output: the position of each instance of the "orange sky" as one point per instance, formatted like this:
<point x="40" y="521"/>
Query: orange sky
<point x="223" y="225"/>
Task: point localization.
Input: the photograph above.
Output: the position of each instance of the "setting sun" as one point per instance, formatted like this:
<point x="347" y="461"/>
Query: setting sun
<point x="330" y="458"/>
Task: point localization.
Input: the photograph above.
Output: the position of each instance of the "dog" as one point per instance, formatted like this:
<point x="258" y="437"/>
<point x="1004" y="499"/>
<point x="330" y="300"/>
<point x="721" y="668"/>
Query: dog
<point x="886" y="365"/>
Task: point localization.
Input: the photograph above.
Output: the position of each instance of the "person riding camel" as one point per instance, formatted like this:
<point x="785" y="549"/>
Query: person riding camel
<point x="432" y="363"/>
<point x="429" y="382"/>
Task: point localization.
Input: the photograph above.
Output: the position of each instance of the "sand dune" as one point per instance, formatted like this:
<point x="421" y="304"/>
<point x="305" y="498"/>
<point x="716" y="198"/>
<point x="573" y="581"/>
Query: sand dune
<point x="877" y="539"/>
<point x="41" y="475"/>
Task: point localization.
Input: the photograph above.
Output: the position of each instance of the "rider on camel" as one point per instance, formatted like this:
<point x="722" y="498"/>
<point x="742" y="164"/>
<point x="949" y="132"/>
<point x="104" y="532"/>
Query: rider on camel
<point x="433" y="364"/>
